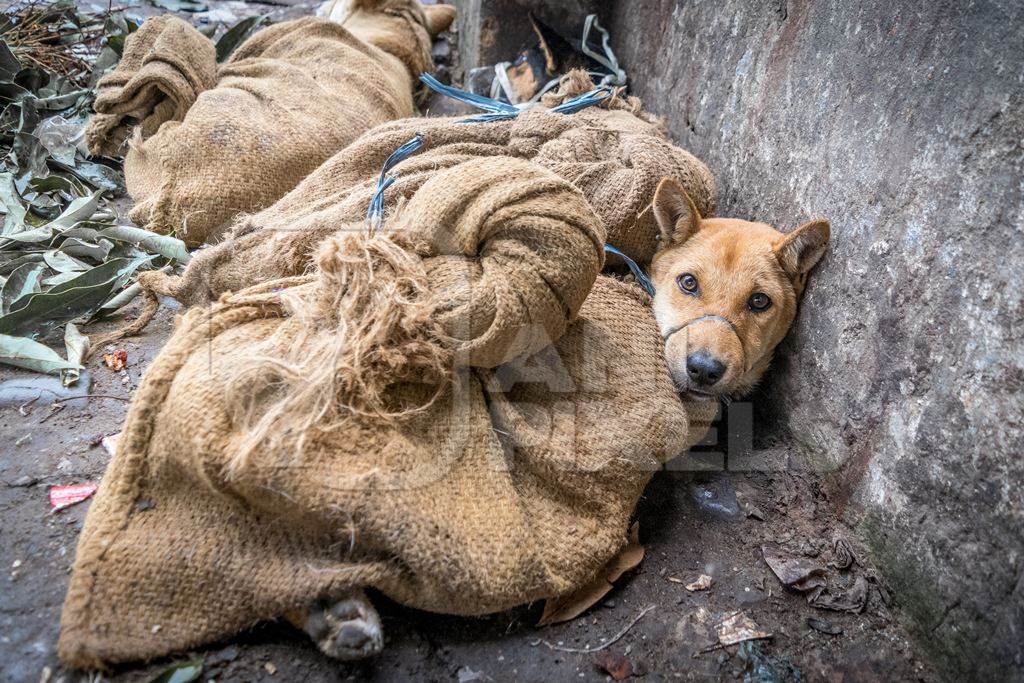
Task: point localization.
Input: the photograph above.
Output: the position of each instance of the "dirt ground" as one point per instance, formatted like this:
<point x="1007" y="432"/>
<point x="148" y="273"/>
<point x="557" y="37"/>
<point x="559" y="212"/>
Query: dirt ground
<point x="649" y="626"/>
<point x="691" y="523"/>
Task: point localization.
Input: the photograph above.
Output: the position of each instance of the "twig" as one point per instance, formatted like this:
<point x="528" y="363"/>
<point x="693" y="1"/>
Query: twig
<point x="611" y="641"/>
<point x="711" y="648"/>
<point x="54" y="409"/>
<point x="26" y="404"/>
<point x="75" y="398"/>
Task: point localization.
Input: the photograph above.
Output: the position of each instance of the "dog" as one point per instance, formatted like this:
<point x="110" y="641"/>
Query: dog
<point x="368" y="15"/>
<point x="726" y="293"/>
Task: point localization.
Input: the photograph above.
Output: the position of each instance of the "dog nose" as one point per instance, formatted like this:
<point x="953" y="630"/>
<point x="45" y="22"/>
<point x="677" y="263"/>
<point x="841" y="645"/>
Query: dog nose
<point x="704" y="369"/>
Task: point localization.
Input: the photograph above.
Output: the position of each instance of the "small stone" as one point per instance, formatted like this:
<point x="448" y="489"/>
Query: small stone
<point x="271" y="668"/>
<point x="156" y="628"/>
<point x="15" y="564"/>
<point x="442" y="51"/>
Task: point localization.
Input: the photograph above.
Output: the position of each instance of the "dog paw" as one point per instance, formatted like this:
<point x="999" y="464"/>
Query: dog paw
<point x="348" y="629"/>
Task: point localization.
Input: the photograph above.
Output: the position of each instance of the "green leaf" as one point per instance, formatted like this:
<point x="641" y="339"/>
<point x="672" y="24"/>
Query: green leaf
<point x="60" y="278"/>
<point x="63" y="263"/>
<point x="164" y="245"/>
<point x="31" y="355"/>
<point x="180" y="5"/>
<point x="35" y="235"/>
<point x="15" y="219"/>
<point x="96" y="175"/>
<point x="9" y="265"/>
<point x="76" y="298"/>
<point x="125" y="296"/>
<point x="81" y="248"/>
<point x="180" y="673"/>
<point x="79" y="210"/>
<point x="237" y="34"/>
<point x="24" y="281"/>
<point x="9" y="64"/>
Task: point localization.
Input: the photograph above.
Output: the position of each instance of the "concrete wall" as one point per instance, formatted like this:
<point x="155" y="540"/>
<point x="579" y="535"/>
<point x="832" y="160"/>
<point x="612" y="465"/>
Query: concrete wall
<point x="902" y="382"/>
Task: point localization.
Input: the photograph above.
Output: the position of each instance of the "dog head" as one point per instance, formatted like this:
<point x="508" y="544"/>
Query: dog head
<point x="435" y="18"/>
<point x="726" y="292"/>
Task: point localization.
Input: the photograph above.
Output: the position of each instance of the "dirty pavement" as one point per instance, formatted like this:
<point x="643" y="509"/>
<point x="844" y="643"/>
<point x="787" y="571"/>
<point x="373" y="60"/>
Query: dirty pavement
<point x="746" y="575"/>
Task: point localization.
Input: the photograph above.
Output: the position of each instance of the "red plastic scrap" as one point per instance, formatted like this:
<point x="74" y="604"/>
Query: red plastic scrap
<point x="65" y="496"/>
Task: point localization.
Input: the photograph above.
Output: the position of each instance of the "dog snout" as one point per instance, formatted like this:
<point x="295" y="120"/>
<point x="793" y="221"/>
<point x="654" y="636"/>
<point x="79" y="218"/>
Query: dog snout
<point x="703" y="369"/>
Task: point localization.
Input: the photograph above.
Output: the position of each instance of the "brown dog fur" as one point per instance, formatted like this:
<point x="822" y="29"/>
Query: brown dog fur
<point x="730" y="261"/>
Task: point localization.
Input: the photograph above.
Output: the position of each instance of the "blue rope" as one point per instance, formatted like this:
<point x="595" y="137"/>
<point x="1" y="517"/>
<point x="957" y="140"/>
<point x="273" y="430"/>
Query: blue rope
<point x="573" y="105"/>
<point x="637" y="271"/>
<point x="496" y="111"/>
<point x="503" y="111"/>
<point x="375" y="212"/>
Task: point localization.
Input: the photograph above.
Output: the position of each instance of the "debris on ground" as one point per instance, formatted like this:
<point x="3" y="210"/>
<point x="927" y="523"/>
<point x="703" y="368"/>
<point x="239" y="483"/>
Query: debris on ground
<point x="615" y="664"/>
<point x="737" y="628"/>
<point x="571" y="606"/>
<point x="180" y="673"/>
<point x="824" y="626"/>
<point x="795" y="572"/>
<point x="810" y="577"/>
<point x="763" y="668"/>
<point x="843" y="556"/>
<point x="753" y="511"/>
<point x="110" y="443"/>
<point x="467" y="675"/>
<point x="701" y="583"/>
<point x="117" y="360"/>
<point x="611" y="641"/>
<point x="854" y="599"/>
<point x="66" y="496"/>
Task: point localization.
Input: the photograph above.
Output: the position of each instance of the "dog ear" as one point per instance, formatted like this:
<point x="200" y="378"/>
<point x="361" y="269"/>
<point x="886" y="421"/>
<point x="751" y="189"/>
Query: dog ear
<point x="439" y="17"/>
<point x="677" y="216"/>
<point x="799" y="250"/>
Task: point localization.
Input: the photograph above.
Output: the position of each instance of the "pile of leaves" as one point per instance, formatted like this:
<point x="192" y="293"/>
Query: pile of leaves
<point x="64" y="255"/>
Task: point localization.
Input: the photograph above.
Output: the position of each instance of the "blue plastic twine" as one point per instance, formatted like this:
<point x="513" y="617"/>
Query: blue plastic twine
<point x="496" y="111"/>
<point x="637" y="271"/>
<point x="503" y="111"/>
<point x="375" y="212"/>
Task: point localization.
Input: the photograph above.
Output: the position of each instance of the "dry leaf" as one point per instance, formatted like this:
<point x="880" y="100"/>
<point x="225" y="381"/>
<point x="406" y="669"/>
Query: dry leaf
<point x="117" y="360"/>
<point x="792" y="570"/>
<point x="615" y="664"/>
<point x="568" y="607"/>
<point x="110" y="443"/>
<point x="738" y="628"/>
<point x="853" y="600"/>
<point x="702" y="583"/>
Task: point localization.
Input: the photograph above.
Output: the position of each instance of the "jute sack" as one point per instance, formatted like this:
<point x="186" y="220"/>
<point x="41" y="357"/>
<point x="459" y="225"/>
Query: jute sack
<point x="451" y="412"/>
<point x="614" y="153"/>
<point x="204" y="143"/>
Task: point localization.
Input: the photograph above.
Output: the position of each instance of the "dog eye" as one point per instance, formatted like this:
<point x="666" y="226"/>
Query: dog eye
<point x="688" y="284"/>
<point x="759" y="301"/>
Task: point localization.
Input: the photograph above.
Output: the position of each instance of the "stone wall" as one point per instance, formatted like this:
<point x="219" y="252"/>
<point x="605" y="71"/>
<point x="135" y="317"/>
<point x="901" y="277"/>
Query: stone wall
<point x="902" y="382"/>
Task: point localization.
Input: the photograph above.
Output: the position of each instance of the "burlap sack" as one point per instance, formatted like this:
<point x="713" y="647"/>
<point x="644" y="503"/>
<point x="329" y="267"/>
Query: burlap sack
<point x="615" y="154"/>
<point x="452" y="413"/>
<point x="210" y="143"/>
